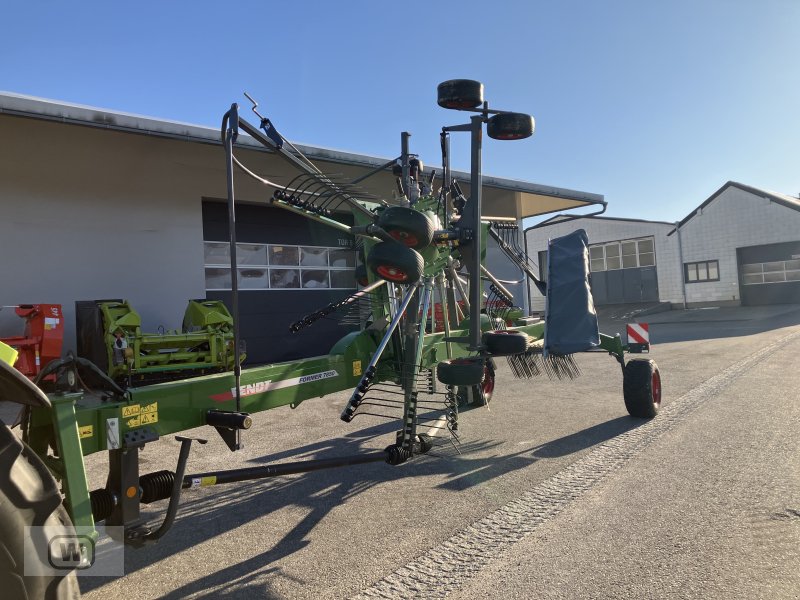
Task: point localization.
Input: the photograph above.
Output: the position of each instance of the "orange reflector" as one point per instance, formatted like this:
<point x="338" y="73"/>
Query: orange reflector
<point x="131" y="492"/>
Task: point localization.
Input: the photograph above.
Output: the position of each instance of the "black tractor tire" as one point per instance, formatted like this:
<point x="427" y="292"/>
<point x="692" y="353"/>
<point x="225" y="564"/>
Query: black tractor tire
<point x="29" y="496"/>
<point x="505" y="343"/>
<point x="408" y="226"/>
<point x="641" y="387"/>
<point x="361" y="275"/>
<point x="460" y="94"/>
<point x="477" y="395"/>
<point x="395" y="262"/>
<point x="510" y="126"/>
<point x="463" y="372"/>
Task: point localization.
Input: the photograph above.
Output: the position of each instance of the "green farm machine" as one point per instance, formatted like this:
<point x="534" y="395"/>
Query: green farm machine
<point x="423" y="246"/>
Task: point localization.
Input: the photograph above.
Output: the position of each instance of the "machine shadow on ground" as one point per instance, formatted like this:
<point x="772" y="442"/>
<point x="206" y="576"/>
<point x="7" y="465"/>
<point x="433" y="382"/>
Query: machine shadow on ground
<point x="220" y="511"/>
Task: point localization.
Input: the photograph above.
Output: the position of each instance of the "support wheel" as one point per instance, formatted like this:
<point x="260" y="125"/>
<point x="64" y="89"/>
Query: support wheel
<point x="641" y="387"/>
<point x="478" y="395"/>
<point x="395" y="262"/>
<point x="361" y="275"/>
<point x="461" y="371"/>
<point x="460" y="94"/>
<point x="29" y="496"/>
<point x="505" y="343"/>
<point x="408" y="226"/>
<point x="510" y="126"/>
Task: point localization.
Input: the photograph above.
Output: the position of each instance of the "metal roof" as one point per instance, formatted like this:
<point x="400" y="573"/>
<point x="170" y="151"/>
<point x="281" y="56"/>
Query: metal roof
<point x="503" y="198"/>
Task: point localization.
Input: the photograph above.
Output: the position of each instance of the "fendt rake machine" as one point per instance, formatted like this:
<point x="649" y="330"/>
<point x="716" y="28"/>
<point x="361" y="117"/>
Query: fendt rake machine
<point x="433" y="321"/>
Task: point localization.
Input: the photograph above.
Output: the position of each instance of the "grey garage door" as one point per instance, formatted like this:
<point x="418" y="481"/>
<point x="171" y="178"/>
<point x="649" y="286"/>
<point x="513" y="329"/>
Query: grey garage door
<point x="769" y="274"/>
<point x="288" y="267"/>
<point x="625" y="286"/>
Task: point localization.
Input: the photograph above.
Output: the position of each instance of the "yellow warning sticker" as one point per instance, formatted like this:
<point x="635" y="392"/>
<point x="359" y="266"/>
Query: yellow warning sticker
<point x="150" y="408"/>
<point x="210" y="480"/>
<point x="134" y="422"/>
<point x="130" y="411"/>
<point x="356" y="368"/>
<point x="148" y="418"/>
<point x="86" y="431"/>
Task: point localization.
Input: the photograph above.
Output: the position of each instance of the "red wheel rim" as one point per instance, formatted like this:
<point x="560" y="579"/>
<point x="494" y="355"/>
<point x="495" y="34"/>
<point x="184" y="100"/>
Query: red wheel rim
<point x="656" y="388"/>
<point x="391" y="273"/>
<point x="487" y="385"/>
<point x="405" y="238"/>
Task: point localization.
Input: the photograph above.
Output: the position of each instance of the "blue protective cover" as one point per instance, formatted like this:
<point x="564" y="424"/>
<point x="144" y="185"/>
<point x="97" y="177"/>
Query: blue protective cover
<point x="570" y="317"/>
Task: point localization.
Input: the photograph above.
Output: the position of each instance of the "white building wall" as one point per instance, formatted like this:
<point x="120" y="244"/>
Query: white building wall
<point x="735" y="219"/>
<point x="600" y="230"/>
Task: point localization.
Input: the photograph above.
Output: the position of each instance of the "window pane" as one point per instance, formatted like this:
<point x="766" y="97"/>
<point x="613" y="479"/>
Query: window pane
<point x="774" y="277"/>
<point x="596" y="252"/>
<point x="253" y="279"/>
<point x="628" y="248"/>
<point x="753" y="279"/>
<point x="691" y="272"/>
<point x="343" y="279"/>
<point x="217" y="253"/>
<point x="628" y="262"/>
<point x="313" y="257"/>
<point x="315" y="279"/>
<point x="645" y="245"/>
<point x="284" y="278"/>
<point x="702" y="271"/>
<point x="647" y="259"/>
<point x="613" y="262"/>
<point x="748" y="269"/>
<point x="598" y="265"/>
<point x="792" y="265"/>
<point x="543" y="264"/>
<point x="713" y="270"/>
<point x="792" y="275"/>
<point x="612" y="250"/>
<point x="773" y="266"/>
<point x="218" y="279"/>
<point x="251" y="254"/>
<point x="284" y="255"/>
<point x="342" y="258"/>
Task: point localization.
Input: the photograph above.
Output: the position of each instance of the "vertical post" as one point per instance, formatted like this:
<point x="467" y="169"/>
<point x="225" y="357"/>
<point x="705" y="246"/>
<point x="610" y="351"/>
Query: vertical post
<point x="680" y="260"/>
<point x="475" y="209"/>
<point x="404" y="161"/>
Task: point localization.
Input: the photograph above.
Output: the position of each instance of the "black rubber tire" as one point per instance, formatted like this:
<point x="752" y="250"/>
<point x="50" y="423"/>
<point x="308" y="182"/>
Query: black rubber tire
<point x="361" y="275"/>
<point x="641" y="387"/>
<point x="505" y="343"/>
<point x="510" y="126"/>
<point x="29" y="496"/>
<point x="395" y="262"/>
<point x="460" y="94"/>
<point x="408" y="226"/>
<point x="478" y="395"/>
<point x="461" y="371"/>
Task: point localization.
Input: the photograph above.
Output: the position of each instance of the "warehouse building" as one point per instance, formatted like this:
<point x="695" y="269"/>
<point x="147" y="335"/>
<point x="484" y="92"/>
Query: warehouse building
<point x="741" y="246"/>
<point x="99" y="204"/>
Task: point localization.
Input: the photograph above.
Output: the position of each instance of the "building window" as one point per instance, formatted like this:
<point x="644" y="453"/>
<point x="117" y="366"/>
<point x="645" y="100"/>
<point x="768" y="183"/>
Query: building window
<point x="625" y="254"/>
<point x="771" y="272"/>
<point x="696" y="272"/>
<point x="543" y="266"/>
<point x="279" y="267"/>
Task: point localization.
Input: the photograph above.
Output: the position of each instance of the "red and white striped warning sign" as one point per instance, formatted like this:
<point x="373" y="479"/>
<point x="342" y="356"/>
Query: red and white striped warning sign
<point x="638" y="333"/>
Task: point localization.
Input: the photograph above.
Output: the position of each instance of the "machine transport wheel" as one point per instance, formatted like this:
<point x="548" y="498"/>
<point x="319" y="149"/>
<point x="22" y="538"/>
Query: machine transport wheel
<point x="29" y="496"/>
<point x="478" y="395"/>
<point x="641" y="387"/>
<point x="505" y="343"/>
<point x="395" y="262"/>
<point x="510" y="126"/>
<point x="461" y="371"/>
<point x="408" y="226"/>
<point x="460" y="94"/>
<point x="361" y="275"/>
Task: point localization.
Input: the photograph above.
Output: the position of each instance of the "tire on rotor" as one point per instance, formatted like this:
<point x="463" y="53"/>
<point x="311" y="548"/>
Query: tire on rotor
<point x="461" y="371"/>
<point x="478" y="395"/>
<point x="395" y="262"/>
<point x="505" y="343"/>
<point x="408" y="226"/>
<point x="641" y="388"/>
<point x="29" y="497"/>
<point x="510" y="126"/>
<point x="361" y="275"/>
<point x="460" y="94"/>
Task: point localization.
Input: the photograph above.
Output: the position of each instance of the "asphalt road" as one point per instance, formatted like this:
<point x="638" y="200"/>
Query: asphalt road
<point x="555" y="491"/>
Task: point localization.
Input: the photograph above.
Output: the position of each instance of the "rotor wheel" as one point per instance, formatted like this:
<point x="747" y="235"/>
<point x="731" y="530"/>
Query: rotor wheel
<point x="461" y="371"/>
<point x="460" y="94"/>
<point x="505" y="343"/>
<point x="478" y="395"/>
<point x="641" y="387"/>
<point x="361" y="275"/>
<point x="395" y="262"/>
<point x="408" y="226"/>
<point x="510" y="126"/>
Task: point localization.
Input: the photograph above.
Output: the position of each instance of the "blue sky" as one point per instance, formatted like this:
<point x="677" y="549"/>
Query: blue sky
<point x="653" y="104"/>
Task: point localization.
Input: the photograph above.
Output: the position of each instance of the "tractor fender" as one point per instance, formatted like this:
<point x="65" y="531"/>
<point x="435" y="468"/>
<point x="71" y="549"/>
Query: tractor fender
<point x="16" y="388"/>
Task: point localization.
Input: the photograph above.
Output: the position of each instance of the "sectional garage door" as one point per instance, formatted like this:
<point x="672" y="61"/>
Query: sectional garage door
<point x="288" y="267"/>
<point x="624" y="271"/>
<point x="769" y="274"/>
